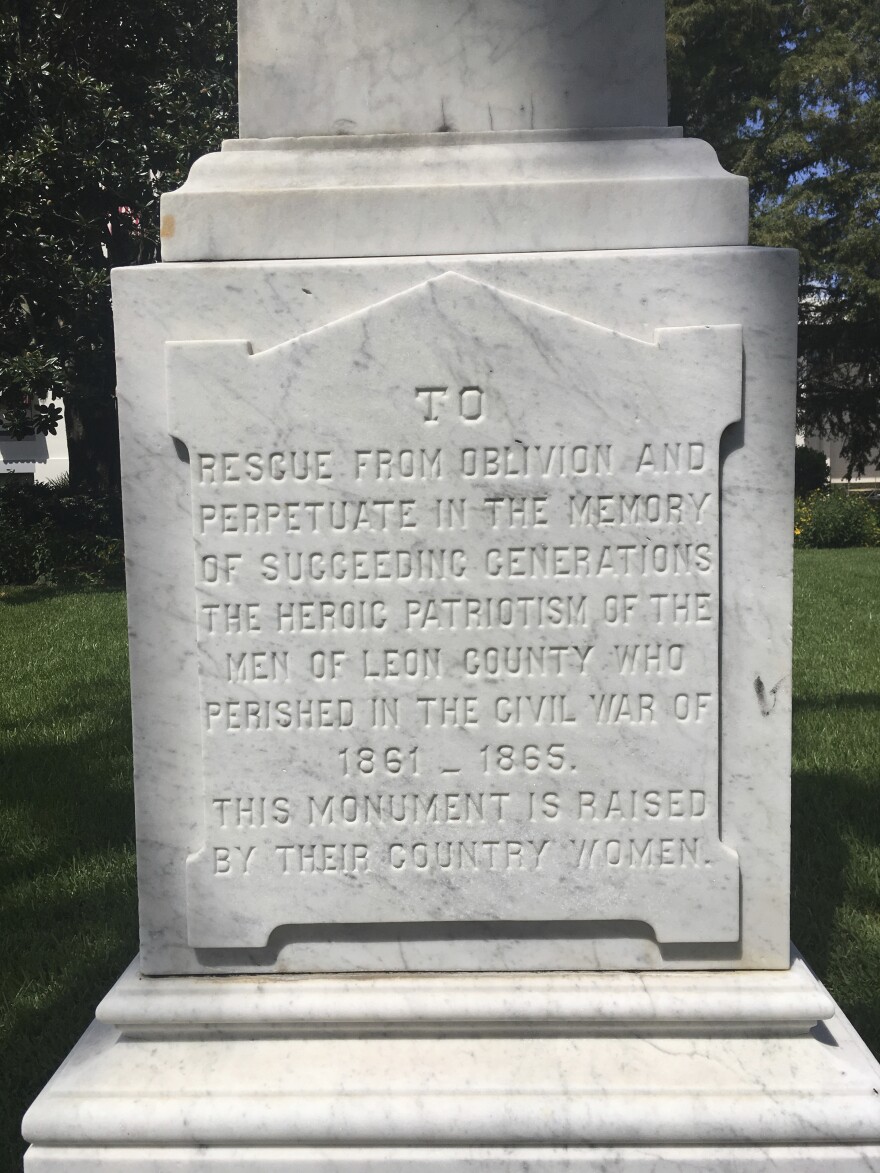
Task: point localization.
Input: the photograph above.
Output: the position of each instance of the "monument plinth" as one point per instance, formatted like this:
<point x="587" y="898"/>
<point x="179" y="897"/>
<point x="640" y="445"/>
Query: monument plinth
<point x="456" y="431"/>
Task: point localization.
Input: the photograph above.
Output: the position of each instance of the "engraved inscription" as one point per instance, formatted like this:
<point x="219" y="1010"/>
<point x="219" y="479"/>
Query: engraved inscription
<point x="458" y="652"/>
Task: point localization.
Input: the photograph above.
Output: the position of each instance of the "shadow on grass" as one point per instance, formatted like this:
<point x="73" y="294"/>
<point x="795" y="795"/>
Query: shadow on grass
<point x="835" y="824"/>
<point x="68" y="907"/>
<point x="78" y="946"/>
<point x="18" y="596"/>
<point x="73" y="795"/>
<point x="843" y="700"/>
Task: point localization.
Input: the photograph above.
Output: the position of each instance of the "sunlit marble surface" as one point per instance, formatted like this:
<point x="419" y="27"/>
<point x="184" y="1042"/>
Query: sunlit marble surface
<point x="635" y="293"/>
<point x="728" y="1098"/>
<point x="786" y="1000"/>
<point x="416" y="195"/>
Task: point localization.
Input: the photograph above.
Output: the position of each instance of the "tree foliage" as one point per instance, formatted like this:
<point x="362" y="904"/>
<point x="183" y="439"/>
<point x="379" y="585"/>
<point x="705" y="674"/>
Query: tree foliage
<point x="788" y="91"/>
<point x="104" y="105"/>
<point x="811" y="471"/>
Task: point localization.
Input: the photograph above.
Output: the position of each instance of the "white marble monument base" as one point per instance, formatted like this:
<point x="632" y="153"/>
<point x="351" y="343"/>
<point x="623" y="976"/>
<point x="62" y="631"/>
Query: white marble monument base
<point x="475" y="1159"/>
<point x="587" y="1072"/>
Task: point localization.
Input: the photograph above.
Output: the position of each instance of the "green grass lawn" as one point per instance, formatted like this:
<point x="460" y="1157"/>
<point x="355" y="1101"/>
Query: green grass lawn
<point x="68" y="911"/>
<point x="836" y="777"/>
<point x="67" y="896"/>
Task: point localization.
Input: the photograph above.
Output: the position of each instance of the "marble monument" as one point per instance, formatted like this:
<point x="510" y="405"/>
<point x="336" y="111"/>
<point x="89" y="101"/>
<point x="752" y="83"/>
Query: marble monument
<point x="456" y="431"/>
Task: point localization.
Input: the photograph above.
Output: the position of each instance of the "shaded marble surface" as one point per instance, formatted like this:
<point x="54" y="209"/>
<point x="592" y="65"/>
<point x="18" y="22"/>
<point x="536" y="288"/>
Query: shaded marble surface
<point x="336" y="67"/>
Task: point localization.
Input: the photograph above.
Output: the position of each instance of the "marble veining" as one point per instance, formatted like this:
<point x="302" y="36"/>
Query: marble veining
<point x="574" y="1158"/>
<point x="535" y="1003"/>
<point x="378" y="197"/>
<point x="633" y="293"/>
<point x="506" y="1094"/>
<point x="299" y="814"/>
<point x="339" y="67"/>
<point x="460" y="320"/>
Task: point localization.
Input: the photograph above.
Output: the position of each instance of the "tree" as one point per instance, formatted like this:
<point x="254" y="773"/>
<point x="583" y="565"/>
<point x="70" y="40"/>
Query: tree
<point x="104" y="104"/>
<point x="789" y="94"/>
<point x="811" y="471"/>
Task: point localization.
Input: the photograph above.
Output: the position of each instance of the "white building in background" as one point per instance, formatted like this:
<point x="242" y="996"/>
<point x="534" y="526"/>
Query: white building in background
<point x="869" y="480"/>
<point x="44" y="458"/>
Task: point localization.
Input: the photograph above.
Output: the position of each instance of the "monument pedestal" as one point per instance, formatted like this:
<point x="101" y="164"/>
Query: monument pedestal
<point x="464" y="1072"/>
<point x="457" y="443"/>
<point x="535" y="320"/>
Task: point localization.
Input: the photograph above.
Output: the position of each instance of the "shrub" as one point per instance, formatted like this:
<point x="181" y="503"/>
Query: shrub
<point x="835" y="519"/>
<point x="810" y="471"/>
<point x="51" y="536"/>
